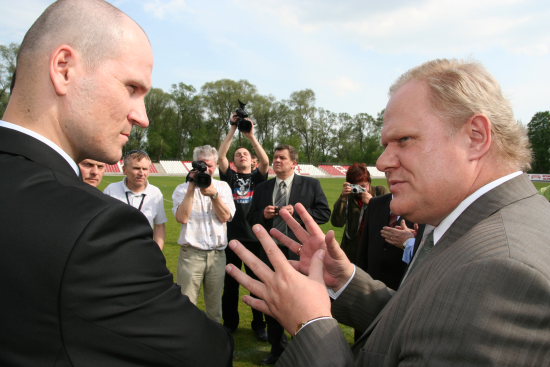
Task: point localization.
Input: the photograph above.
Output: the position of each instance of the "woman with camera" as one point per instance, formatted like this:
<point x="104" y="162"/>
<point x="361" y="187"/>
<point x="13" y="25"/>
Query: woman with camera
<point x="351" y="205"/>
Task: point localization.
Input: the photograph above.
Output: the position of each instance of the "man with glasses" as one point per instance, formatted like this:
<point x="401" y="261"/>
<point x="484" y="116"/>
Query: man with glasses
<point x="135" y="190"/>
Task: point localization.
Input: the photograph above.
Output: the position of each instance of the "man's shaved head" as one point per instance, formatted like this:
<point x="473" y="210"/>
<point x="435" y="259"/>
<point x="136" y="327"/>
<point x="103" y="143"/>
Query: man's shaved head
<point x="93" y="27"/>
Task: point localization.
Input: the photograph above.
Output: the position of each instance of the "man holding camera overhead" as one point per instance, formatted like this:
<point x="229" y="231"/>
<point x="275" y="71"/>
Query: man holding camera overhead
<point x="243" y="180"/>
<point x="203" y="206"/>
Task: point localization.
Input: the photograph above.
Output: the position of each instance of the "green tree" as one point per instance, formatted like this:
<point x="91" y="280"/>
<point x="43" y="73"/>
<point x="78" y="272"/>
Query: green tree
<point x="538" y="131"/>
<point x="8" y="58"/>
<point x="301" y="120"/>
<point x="192" y="130"/>
<point x="162" y="134"/>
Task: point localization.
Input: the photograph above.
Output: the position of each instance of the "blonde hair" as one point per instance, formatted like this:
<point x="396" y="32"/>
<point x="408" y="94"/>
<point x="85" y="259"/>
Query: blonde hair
<point x="460" y="89"/>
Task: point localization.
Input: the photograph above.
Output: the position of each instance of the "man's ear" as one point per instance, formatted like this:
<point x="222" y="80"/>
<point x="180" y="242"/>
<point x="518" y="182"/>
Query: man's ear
<point x="480" y="136"/>
<point x="62" y="64"/>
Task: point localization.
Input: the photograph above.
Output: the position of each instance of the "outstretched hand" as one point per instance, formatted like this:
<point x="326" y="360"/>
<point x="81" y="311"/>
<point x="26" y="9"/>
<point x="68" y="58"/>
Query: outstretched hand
<point x="337" y="267"/>
<point x="295" y="291"/>
<point x="290" y="297"/>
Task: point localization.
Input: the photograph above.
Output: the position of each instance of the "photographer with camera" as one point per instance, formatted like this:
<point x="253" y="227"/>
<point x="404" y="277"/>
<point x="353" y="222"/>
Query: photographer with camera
<point x="351" y="206"/>
<point x="243" y="181"/>
<point x="203" y="206"/>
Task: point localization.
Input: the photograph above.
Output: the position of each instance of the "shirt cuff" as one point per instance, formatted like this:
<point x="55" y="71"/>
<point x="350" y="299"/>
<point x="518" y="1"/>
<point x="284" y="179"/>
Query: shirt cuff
<point x="335" y="294"/>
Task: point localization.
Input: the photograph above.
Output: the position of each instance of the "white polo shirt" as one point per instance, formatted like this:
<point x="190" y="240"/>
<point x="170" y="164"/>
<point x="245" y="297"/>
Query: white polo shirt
<point x="150" y="201"/>
<point x="204" y="230"/>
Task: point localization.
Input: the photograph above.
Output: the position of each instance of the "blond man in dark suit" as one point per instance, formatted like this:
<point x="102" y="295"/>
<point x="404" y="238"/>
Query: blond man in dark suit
<point x="477" y="292"/>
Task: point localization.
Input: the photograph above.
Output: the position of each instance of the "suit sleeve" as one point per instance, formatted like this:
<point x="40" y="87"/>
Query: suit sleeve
<point x="322" y="343"/>
<point x="319" y="209"/>
<point x="493" y="312"/>
<point x="119" y="299"/>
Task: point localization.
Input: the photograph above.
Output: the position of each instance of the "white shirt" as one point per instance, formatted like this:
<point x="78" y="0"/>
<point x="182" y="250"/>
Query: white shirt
<point x="150" y="201"/>
<point x="204" y="230"/>
<point x="44" y="140"/>
<point x="446" y="223"/>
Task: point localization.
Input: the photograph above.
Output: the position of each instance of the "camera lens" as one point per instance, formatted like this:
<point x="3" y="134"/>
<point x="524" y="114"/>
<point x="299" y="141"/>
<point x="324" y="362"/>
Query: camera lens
<point x="244" y="125"/>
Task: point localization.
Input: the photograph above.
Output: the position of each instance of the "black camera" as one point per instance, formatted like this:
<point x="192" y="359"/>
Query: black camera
<point x="277" y="208"/>
<point x="201" y="179"/>
<point x="242" y="124"/>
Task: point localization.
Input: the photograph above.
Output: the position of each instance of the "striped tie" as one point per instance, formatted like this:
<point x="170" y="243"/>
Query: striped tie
<point x="280" y="201"/>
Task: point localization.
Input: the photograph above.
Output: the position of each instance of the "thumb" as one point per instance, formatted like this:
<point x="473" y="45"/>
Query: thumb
<point x="404" y="224"/>
<point x="316" y="266"/>
<point x="333" y="248"/>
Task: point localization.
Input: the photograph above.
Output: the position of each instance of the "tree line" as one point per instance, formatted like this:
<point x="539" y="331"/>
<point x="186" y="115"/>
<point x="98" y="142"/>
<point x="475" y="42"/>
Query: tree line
<point x="184" y="117"/>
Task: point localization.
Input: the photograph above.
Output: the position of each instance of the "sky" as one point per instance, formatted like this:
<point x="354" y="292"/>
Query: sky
<point x="347" y="51"/>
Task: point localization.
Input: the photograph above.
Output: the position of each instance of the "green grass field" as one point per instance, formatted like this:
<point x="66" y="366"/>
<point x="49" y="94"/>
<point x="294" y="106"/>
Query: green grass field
<point x="248" y="351"/>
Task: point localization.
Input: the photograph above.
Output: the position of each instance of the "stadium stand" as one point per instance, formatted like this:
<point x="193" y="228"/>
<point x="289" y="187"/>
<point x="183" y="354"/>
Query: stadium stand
<point x="309" y="170"/>
<point x="174" y="167"/>
<point x="113" y="168"/>
<point x="334" y="170"/>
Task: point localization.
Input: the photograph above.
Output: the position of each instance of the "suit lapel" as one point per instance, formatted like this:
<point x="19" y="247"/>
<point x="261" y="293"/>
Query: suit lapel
<point x="17" y="143"/>
<point x="515" y="189"/>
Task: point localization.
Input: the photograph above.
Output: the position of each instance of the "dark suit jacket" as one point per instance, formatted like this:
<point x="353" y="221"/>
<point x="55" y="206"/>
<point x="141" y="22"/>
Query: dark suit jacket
<point x="305" y="190"/>
<point x="481" y="297"/>
<point x="382" y="260"/>
<point x="83" y="283"/>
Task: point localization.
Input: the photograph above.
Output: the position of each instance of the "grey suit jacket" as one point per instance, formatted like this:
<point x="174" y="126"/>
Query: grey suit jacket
<point x="480" y="298"/>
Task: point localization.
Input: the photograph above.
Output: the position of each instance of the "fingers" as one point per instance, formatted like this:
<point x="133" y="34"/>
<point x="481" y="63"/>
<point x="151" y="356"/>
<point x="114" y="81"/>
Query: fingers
<point x="316" y="267"/>
<point x="333" y="247"/>
<point x="285" y="240"/>
<point x="257" y="304"/>
<point x="259" y="268"/>
<point x="277" y="259"/>
<point x="254" y="286"/>
<point x="312" y="227"/>
<point x="294" y="226"/>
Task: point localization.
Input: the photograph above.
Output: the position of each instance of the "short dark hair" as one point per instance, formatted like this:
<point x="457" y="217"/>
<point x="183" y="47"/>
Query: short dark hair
<point x="358" y="172"/>
<point x="291" y="150"/>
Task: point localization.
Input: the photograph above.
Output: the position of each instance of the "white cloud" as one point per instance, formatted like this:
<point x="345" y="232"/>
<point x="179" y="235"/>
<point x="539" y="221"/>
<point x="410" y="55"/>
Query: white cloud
<point x="344" y="85"/>
<point x="161" y="8"/>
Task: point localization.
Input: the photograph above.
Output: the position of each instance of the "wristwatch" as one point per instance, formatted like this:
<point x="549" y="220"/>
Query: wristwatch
<point x="215" y="196"/>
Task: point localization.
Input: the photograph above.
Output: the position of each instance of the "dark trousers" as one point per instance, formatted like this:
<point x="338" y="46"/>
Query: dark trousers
<point x="230" y="298"/>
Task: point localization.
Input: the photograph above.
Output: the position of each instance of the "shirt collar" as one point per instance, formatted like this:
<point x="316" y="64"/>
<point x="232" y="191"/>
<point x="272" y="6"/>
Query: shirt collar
<point x="446" y="223"/>
<point x="288" y="181"/>
<point x="44" y="140"/>
<point x="127" y="189"/>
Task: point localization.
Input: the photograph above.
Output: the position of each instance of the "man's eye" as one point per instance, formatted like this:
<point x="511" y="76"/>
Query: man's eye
<point x="404" y="139"/>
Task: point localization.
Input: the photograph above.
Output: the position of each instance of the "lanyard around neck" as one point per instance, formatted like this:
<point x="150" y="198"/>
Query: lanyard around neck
<point x="140" y="204"/>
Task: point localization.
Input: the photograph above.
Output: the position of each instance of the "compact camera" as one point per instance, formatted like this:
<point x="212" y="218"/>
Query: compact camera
<point x="277" y="208"/>
<point x="242" y="123"/>
<point x="357" y="189"/>
<point x="201" y="179"/>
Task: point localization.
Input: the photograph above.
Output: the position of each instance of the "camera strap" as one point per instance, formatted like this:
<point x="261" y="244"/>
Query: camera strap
<point x="141" y="202"/>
